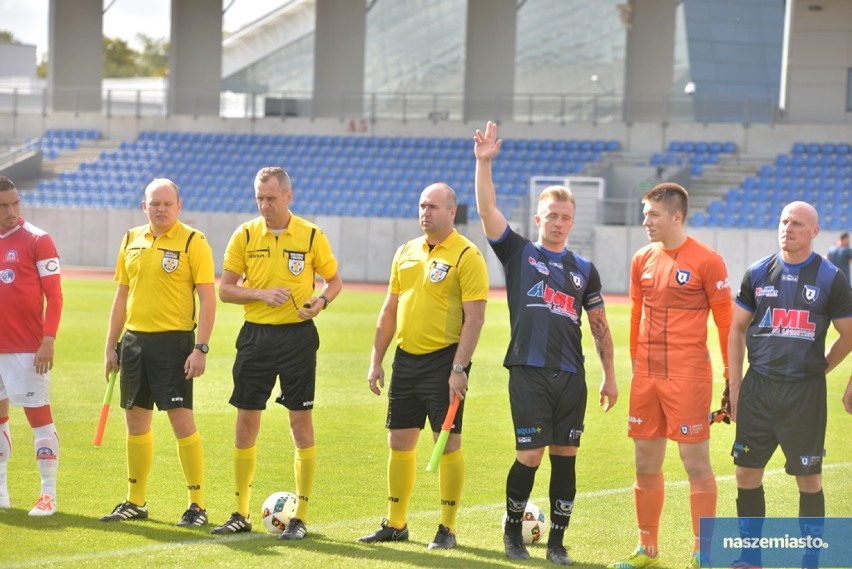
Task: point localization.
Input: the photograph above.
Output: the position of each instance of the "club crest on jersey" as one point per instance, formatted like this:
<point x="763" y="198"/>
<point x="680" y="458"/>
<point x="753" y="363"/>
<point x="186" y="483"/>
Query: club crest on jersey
<point x="171" y="259"/>
<point x="7" y="276"/>
<point x="577" y="279"/>
<point x="438" y="272"/>
<point x="810" y="293"/>
<point x="11" y="256"/>
<point x="296" y="263"/>
<point x="682" y="277"/>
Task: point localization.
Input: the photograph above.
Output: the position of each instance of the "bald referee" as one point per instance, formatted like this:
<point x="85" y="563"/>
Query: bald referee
<point x="436" y="307"/>
<point x="270" y="268"/>
<point x="161" y="268"/>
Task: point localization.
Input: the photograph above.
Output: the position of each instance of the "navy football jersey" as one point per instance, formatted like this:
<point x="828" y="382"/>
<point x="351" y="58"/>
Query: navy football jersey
<point x="793" y="306"/>
<point x="546" y="292"/>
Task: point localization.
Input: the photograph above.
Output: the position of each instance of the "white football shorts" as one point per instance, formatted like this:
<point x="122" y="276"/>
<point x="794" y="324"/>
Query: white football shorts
<point x="20" y="383"/>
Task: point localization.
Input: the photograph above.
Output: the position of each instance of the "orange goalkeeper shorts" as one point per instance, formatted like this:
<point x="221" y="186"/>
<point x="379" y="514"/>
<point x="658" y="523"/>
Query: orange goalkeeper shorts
<point x="672" y="408"/>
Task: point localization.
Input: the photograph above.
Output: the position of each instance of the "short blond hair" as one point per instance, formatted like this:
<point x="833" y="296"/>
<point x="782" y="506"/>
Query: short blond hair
<point x="557" y="194"/>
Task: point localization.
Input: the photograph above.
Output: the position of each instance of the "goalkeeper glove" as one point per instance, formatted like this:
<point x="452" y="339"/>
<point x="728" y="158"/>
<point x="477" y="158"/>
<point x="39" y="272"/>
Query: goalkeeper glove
<point x="723" y="415"/>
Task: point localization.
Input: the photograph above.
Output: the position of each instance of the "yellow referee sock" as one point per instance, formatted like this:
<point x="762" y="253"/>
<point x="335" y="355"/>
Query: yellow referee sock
<point x="450" y="484"/>
<point x="245" y="462"/>
<point x="140" y="457"/>
<point x="305" y="466"/>
<point x="402" y="471"/>
<point x="191" y="454"/>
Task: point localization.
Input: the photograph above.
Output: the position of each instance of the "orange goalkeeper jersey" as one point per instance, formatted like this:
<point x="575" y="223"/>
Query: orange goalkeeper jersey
<point x="672" y="292"/>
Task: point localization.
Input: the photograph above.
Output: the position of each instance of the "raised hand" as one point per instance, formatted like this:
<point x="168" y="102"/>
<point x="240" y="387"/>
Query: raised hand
<point x="487" y="146"/>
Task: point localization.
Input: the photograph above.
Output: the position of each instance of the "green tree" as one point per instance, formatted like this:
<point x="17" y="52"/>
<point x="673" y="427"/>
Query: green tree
<point x="153" y="60"/>
<point x="7" y="37"/>
<point x="41" y="69"/>
<point x="119" y="58"/>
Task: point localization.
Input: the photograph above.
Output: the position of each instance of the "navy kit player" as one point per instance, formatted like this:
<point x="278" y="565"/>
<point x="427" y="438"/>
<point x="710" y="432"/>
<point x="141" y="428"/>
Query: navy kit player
<point x="785" y="306"/>
<point x="547" y="287"/>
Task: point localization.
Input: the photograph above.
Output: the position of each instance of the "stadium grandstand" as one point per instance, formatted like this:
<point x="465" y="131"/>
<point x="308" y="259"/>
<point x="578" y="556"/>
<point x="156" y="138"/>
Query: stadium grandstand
<point x="747" y="103"/>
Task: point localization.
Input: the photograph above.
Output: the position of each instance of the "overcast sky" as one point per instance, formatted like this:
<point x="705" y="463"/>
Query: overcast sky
<point x="28" y="19"/>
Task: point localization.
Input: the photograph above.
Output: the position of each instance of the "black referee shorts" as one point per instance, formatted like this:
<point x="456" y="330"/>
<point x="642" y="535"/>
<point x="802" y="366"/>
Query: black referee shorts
<point x="548" y="406"/>
<point x="152" y="370"/>
<point x="792" y="414"/>
<point x="420" y="388"/>
<point x="267" y="352"/>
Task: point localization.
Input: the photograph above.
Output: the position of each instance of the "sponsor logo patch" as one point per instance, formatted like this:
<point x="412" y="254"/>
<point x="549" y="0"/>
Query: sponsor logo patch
<point x="539" y="266"/>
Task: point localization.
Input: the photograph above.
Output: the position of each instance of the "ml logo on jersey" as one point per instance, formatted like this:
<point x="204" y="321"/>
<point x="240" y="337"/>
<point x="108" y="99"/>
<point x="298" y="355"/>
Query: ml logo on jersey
<point x="796" y="323"/>
<point x="810" y="293"/>
<point x="171" y="259"/>
<point x="7" y="276"/>
<point x="577" y="279"/>
<point x="296" y="263"/>
<point x="682" y="277"/>
<point x="539" y="266"/>
<point x="558" y="302"/>
<point x="11" y="256"/>
<point x="438" y="272"/>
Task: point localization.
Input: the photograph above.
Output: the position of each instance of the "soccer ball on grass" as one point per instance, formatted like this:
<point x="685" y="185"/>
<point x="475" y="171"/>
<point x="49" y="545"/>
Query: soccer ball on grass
<point x="277" y="510"/>
<point x="532" y="525"/>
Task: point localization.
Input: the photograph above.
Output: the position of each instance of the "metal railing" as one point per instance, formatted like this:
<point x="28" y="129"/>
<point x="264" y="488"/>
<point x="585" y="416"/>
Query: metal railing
<point x="433" y="107"/>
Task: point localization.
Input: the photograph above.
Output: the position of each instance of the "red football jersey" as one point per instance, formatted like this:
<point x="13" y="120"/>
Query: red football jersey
<point x="29" y="274"/>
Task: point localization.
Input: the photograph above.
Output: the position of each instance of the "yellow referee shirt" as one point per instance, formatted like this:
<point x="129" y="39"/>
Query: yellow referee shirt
<point x="162" y="273"/>
<point x="290" y="260"/>
<point x="432" y="285"/>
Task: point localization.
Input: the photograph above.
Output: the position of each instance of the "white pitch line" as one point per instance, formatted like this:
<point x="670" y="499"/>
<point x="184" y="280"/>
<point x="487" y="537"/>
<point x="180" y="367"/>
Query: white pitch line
<point x="205" y="543"/>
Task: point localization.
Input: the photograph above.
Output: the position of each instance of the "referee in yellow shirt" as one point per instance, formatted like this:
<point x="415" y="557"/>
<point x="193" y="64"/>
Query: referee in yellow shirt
<point x="436" y="307"/>
<point x="270" y="268"/>
<point x="161" y="267"/>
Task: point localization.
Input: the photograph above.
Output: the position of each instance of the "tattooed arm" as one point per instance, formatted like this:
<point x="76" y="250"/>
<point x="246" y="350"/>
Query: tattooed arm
<point x="603" y="346"/>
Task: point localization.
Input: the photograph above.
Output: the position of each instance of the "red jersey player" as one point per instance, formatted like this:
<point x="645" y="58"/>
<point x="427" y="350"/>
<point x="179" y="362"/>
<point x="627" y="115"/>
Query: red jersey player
<point x="29" y="274"/>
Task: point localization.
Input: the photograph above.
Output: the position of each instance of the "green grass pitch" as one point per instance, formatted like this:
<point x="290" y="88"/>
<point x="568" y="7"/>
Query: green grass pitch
<point x="349" y="497"/>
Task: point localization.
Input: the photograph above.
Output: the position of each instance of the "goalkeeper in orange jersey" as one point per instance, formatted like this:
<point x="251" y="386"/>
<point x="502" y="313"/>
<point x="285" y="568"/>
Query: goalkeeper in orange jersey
<point x="675" y="282"/>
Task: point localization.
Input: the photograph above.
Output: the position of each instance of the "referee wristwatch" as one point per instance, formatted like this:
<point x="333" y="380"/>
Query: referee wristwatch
<point x="203" y="348"/>
<point x="458" y="368"/>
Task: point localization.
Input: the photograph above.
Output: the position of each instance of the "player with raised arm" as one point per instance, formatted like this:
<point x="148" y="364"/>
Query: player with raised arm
<point x="547" y="287"/>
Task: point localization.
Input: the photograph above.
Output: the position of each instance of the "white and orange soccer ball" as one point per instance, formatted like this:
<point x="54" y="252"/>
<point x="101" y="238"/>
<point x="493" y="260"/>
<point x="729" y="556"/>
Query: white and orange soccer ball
<point x="533" y="524"/>
<point x="277" y="510"/>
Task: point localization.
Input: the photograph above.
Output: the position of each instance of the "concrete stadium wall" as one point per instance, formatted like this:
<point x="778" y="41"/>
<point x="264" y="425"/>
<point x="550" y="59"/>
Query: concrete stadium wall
<point x="365" y="246"/>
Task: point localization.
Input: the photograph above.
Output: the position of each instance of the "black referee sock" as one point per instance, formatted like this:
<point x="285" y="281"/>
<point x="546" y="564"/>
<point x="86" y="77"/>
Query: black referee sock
<point x="812" y="505"/>
<point x="519" y="485"/>
<point x="751" y="503"/>
<point x="751" y="509"/>
<point x="563" y="489"/>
